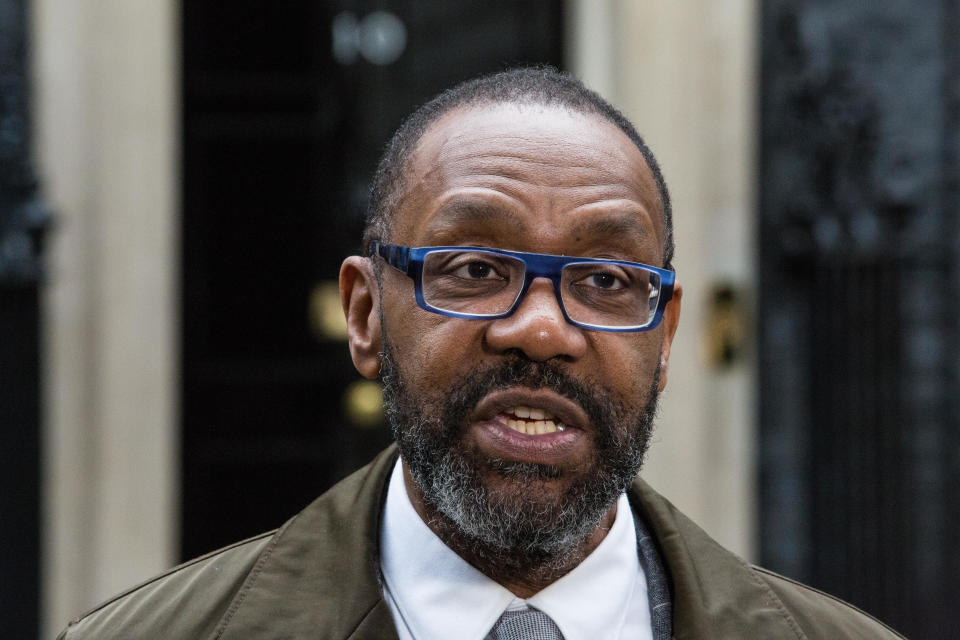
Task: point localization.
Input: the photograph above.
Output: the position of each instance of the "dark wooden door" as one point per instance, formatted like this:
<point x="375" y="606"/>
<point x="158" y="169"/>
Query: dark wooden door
<point x="860" y="288"/>
<point x="23" y="220"/>
<point x="287" y="105"/>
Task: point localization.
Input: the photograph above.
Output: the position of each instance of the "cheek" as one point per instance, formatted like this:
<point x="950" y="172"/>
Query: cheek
<point x="626" y="363"/>
<point x="433" y="351"/>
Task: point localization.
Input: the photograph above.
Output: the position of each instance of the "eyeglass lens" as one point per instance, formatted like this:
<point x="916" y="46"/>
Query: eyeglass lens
<point x="595" y="293"/>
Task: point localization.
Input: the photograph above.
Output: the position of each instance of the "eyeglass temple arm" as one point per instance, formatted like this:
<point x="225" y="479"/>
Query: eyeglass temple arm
<point x="396" y="256"/>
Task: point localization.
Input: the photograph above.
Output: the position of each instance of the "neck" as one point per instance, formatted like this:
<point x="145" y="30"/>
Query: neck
<point x="521" y="572"/>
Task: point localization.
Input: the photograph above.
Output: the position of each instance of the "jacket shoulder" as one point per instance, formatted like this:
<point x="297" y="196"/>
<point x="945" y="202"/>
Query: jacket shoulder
<point x="717" y="594"/>
<point x="820" y="614"/>
<point x="185" y="602"/>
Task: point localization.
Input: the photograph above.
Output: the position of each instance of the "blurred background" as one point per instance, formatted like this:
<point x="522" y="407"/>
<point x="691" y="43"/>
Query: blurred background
<point x="179" y="182"/>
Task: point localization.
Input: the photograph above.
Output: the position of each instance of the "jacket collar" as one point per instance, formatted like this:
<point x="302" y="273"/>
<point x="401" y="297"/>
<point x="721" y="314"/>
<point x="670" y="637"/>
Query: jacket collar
<point x="716" y="594"/>
<point x="308" y="581"/>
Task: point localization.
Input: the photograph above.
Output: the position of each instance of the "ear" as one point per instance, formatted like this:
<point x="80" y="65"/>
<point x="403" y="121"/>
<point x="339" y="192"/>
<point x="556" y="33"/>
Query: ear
<point x="360" y="298"/>
<point x="671" y="318"/>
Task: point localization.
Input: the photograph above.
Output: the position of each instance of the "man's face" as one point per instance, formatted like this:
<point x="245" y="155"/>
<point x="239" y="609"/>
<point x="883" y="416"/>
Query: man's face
<point x="463" y="395"/>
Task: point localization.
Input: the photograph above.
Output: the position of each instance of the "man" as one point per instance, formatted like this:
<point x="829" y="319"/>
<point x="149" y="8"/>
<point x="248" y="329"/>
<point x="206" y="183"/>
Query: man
<point x="518" y="302"/>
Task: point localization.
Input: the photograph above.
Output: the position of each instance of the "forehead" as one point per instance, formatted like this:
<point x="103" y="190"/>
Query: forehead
<point x="524" y="167"/>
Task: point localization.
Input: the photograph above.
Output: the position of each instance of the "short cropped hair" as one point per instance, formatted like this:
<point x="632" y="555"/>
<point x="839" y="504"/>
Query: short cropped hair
<point x="524" y="85"/>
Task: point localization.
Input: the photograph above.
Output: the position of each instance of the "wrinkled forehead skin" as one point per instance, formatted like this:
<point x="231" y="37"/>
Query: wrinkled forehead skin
<point x="548" y="160"/>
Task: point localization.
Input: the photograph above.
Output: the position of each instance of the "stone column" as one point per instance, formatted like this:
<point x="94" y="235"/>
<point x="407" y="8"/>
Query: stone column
<point x="106" y="138"/>
<point x="683" y="71"/>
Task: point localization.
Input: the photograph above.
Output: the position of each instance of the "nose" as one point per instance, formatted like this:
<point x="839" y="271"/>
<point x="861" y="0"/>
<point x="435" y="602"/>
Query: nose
<point x="537" y="327"/>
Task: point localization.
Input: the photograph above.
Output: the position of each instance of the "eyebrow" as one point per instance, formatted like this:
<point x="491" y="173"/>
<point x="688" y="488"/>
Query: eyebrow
<point x="614" y="224"/>
<point x="474" y="213"/>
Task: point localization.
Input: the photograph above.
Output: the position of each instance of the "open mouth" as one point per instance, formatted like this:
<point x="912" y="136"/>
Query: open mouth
<point x="531" y="420"/>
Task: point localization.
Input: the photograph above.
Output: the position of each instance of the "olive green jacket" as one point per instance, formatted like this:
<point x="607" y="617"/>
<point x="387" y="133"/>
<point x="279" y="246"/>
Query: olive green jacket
<point x="317" y="577"/>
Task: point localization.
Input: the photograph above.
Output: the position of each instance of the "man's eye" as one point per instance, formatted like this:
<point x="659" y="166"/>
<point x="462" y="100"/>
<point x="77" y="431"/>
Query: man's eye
<point x="477" y="271"/>
<point x="604" y="281"/>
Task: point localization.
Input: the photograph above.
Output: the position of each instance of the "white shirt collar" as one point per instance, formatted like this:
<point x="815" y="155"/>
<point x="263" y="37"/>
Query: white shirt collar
<point x="432" y="591"/>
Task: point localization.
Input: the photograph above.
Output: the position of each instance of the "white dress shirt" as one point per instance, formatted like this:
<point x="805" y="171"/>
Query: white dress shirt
<point x="433" y="593"/>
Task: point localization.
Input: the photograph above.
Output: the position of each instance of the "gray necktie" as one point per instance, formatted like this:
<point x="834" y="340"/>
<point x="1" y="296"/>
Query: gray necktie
<point x="525" y="624"/>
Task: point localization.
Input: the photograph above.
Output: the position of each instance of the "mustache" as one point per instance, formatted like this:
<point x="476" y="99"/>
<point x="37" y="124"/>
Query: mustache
<point x="519" y="372"/>
<point x="509" y="371"/>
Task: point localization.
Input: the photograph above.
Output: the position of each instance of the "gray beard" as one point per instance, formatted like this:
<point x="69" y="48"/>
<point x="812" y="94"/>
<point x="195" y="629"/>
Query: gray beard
<point x="520" y="530"/>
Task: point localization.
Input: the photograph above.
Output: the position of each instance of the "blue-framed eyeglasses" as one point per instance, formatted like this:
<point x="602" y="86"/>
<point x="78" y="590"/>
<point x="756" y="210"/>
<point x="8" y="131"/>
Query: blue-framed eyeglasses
<point x="484" y="284"/>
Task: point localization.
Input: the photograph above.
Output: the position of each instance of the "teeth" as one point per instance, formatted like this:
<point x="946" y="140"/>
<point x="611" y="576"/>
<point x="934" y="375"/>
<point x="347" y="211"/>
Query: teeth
<point x="535" y="427"/>
<point x="533" y="413"/>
